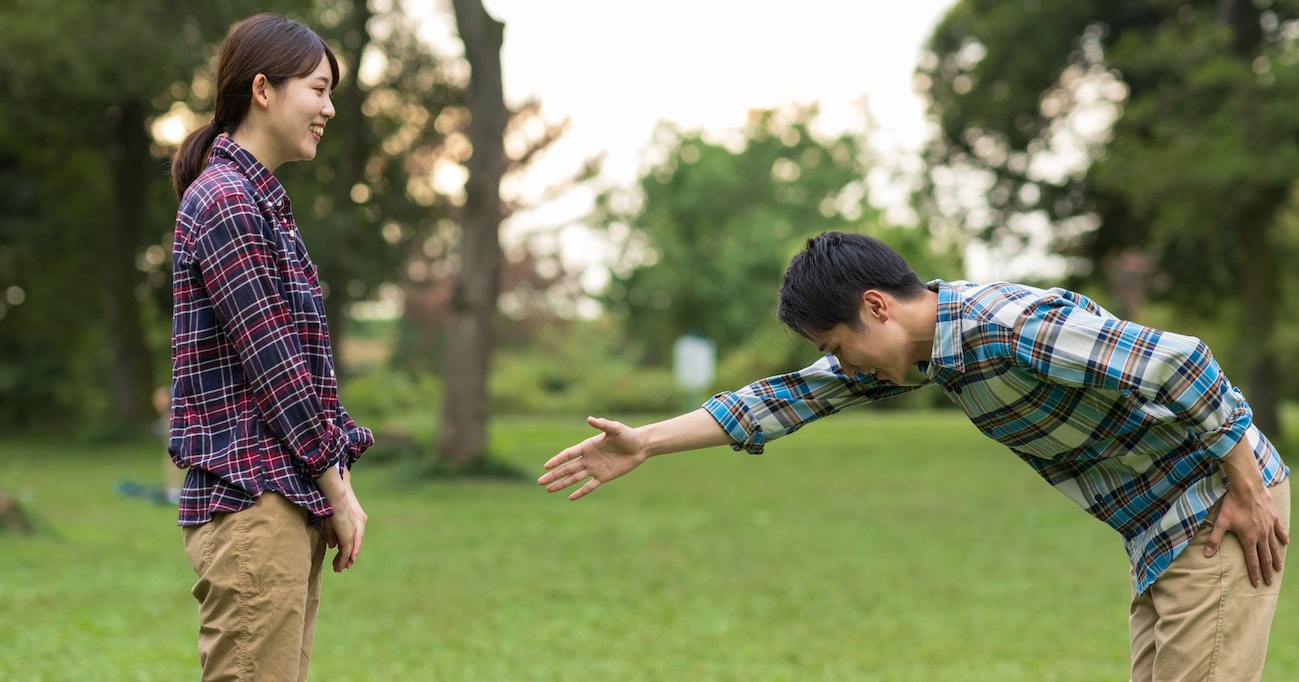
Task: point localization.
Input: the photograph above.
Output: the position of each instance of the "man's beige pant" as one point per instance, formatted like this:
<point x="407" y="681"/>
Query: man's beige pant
<point x="1202" y="620"/>
<point x="258" y="591"/>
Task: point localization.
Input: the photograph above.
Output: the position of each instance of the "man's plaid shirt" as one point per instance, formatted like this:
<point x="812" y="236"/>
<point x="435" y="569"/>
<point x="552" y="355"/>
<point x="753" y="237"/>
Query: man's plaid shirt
<point x="1125" y="420"/>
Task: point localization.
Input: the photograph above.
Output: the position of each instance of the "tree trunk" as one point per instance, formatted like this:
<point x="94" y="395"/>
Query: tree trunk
<point x="1258" y="265"/>
<point x="1258" y="278"/>
<point x="130" y="364"/>
<point x="349" y="126"/>
<point x="462" y="439"/>
<point x="12" y="516"/>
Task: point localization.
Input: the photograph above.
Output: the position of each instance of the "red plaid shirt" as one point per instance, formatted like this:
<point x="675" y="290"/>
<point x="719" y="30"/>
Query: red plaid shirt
<point x="254" y="398"/>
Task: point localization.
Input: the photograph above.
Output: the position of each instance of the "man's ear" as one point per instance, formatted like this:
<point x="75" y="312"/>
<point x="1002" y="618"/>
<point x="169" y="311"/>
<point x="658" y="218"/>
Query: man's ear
<point x="875" y="304"/>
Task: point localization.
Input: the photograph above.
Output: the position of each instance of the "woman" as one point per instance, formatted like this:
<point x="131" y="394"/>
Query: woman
<point x="255" y="412"/>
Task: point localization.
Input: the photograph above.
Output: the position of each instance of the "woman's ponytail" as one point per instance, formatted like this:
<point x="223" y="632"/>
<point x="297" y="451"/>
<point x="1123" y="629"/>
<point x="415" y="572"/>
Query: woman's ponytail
<point x="191" y="157"/>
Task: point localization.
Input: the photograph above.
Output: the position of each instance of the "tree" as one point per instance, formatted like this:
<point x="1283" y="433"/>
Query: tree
<point x="90" y="197"/>
<point x="366" y="201"/>
<point x="84" y="80"/>
<point x="705" y="241"/>
<point x="1142" y="132"/>
<point x="462" y="438"/>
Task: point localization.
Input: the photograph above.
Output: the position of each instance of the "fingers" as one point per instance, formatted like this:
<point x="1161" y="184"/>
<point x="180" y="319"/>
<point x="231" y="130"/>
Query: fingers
<point x="571" y="453"/>
<point x="562" y="457"/>
<point x="568" y="468"/>
<point x="1265" y="562"/>
<point x="346" y="556"/>
<point x="585" y="490"/>
<point x="357" y="540"/>
<point x="1215" y="540"/>
<point x="564" y="476"/>
<point x="348" y="529"/>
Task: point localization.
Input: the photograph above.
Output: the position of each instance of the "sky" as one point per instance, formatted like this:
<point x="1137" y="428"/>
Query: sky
<point x="615" y="69"/>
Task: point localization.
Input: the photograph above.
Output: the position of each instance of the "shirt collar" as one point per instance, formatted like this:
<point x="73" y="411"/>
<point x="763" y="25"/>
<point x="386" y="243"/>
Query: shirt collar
<point x="264" y="183"/>
<point x="948" y="352"/>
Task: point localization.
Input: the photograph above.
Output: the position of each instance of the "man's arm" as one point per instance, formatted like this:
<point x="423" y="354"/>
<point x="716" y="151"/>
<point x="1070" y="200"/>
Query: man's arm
<point x="1248" y="512"/>
<point x="618" y="449"/>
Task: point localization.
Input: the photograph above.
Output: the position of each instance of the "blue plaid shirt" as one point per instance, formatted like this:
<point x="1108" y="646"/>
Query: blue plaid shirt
<point x="1125" y="420"/>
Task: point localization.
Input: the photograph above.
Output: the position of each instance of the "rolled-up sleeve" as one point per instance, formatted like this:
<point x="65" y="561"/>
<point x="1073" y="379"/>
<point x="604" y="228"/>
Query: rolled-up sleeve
<point x="780" y="405"/>
<point x="238" y="263"/>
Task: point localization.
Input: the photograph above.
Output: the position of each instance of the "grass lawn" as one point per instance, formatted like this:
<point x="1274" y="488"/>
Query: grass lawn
<point x="874" y="546"/>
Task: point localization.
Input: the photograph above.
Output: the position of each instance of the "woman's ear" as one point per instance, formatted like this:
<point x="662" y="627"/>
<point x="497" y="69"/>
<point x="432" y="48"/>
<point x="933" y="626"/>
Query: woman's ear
<point x="261" y="94"/>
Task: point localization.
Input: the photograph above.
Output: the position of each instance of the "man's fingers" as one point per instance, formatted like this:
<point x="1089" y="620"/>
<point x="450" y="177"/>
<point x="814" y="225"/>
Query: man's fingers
<point x="561" y="471"/>
<point x="585" y="490"/>
<point x="570" y="476"/>
<point x="559" y="459"/>
<point x="1215" y="540"/>
<point x="1252" y="563"/>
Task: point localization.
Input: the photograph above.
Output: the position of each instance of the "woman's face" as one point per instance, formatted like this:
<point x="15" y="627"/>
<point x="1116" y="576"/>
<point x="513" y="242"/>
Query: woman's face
<point x="298" y="111"/>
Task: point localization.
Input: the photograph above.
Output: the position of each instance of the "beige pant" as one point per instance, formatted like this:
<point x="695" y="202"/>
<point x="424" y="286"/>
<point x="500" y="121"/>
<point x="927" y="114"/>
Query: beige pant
<point x="1202" y="620"/>
<point x="258" y="591"/>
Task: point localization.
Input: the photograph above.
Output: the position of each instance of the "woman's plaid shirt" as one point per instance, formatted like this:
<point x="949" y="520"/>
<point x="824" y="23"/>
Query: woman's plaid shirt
<point x="254" y="398"/>
<point x="1125" y="420"/>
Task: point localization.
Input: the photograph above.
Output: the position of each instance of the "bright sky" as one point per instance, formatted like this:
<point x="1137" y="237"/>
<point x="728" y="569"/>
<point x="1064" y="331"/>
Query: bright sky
<point x="616" y="69"/>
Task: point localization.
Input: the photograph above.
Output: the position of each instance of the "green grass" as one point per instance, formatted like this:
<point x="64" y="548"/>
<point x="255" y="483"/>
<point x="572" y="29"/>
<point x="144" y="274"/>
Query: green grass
<point x="874" y="546"/>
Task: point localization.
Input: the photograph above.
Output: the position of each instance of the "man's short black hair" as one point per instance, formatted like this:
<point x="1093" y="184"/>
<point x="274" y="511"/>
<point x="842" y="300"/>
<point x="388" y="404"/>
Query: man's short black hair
<point x="824" y="282"/>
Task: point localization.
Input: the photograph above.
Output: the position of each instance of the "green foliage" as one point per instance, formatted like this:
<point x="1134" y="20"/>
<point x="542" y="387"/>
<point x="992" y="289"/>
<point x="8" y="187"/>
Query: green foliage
<point x="579" y="368"/>
<point x="1201" y="141"/>
<point x="73" y="73"/>
<point x="854" y="550"/>
<point x="1160" y="131"/>
<point x="362" y="201"/>
<point x="381" y="393"/>
<point x="709" y="236"/>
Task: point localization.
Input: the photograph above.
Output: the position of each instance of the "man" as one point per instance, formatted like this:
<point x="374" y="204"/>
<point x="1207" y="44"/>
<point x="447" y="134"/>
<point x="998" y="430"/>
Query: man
<point x="1138" y="426"/>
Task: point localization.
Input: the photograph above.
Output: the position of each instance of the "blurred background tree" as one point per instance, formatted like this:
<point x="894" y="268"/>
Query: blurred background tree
<point x="703" y="244"/>
<point x="1151" y="145"/>
<point x="86" y="199"/>
<point x="1145" y="148"/>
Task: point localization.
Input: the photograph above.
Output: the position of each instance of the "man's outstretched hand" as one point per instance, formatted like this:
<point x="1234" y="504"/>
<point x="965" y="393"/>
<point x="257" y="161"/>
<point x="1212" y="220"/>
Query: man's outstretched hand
<point x="599" y="459"/>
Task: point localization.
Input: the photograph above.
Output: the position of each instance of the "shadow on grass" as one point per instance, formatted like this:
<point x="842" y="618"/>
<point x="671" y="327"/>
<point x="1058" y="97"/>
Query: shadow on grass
<point x="411" y="462"/>
<point x="417" y="471"/>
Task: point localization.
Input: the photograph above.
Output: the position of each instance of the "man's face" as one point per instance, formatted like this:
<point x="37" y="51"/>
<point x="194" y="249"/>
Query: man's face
<point x="871" y="346"/>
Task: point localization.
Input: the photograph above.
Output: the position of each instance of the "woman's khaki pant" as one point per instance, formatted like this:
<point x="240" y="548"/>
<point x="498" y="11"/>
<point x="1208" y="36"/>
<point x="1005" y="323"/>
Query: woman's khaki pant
<point x="258" y="591"/>
<point x="1202" y="620"/>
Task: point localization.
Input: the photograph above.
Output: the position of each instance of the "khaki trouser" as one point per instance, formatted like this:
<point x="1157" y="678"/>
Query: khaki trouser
<point x="1202" y="620"/>
<point x="258" y="591"/>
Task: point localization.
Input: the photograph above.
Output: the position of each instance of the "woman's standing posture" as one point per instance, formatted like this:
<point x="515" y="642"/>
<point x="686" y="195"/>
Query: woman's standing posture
<point x="255" y="414"/>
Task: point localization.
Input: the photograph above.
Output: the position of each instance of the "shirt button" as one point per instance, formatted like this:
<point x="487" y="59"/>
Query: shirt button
<point x="331" y="372"/>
